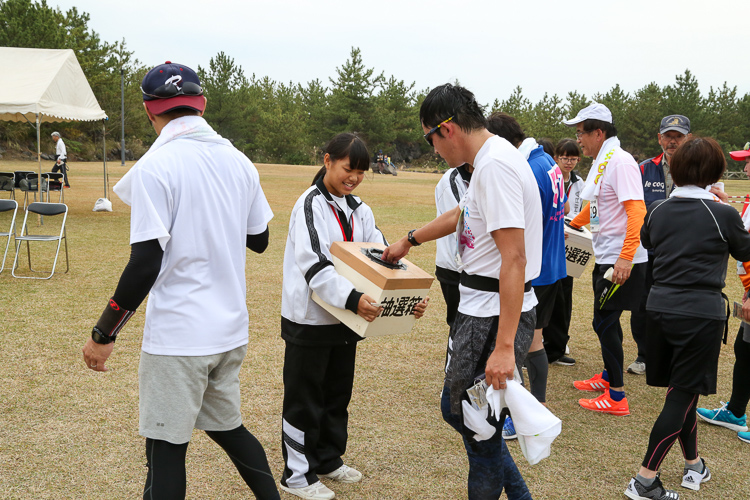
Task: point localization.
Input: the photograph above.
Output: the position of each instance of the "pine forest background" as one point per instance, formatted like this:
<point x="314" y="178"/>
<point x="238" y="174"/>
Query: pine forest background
<point x="278" y="122"/>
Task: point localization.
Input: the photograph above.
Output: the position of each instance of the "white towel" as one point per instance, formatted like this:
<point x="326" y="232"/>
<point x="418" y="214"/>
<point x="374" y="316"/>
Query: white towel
<point x="476" y="420"/>
<point x="527" y="146"/>
<point x="694" y="192"/>
<point x="593" y="185"/>
<point x="535" y="425"/>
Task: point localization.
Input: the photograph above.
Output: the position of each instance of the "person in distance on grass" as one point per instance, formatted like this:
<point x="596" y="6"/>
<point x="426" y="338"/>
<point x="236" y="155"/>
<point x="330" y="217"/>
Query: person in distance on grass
<point x="657" y="184"/>
<point x="61" y="154"/>
<point x="320" y="350"/>
<point x="692" y="235"/>
<point x="549" y="180"/>
<point x="733" y="415"/>
<point x="448" y="193"/>
<point x="555" y="334"/>
<point x="615" y="212"/>
<point x="196" y="204"/>
<point x="500" y="240"/>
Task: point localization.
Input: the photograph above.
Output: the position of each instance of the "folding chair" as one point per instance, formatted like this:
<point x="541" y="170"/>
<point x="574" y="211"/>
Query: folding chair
<point x="50" y="210"/>
<point x="8" y="183"/>
<point x="32" y="186"/>
<point x="7" y="206"/>
<point x="19" y="175"/>
<point x="55" y="183"/>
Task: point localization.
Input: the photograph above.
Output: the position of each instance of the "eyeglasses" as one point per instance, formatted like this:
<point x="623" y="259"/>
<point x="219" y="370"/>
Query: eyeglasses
<point x="169" y="90"/>
<point x="579" y="134"/>
<point x="435" y="129"/>
<point x="568" y="159"/>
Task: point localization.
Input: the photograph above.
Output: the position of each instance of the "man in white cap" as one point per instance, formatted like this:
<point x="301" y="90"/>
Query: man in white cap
<point x="615" y="213"/>
<point x="657" y="184"/>
<point x="61" y="155"/>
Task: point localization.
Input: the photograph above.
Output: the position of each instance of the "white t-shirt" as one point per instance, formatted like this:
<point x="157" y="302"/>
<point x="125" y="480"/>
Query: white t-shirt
<point x="60" y="150"/>
<point x="200" y="199"/>
<point x="620" y="182"/>
<point x="448" y="193"/>
<point x="503" y="194"/>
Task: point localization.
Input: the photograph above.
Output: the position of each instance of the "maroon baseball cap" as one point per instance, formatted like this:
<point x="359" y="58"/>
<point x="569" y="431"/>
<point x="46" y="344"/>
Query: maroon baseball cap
<point x="170" y="86"/>
<point x="742" y="154"/>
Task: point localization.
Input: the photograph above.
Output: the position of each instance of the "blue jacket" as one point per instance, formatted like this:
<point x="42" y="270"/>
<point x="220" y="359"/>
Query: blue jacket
<point x="654" y="185"/>
<point x="551" y="185"/>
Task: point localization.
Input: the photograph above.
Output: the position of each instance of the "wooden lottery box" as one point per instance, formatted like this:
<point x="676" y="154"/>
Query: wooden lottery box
<point x="579" y="250"/>
<point x="397" y="290"/>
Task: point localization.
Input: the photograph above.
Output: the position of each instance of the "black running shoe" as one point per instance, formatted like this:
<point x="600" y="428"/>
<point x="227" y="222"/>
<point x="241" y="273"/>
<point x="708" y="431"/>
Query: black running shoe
<point x="636" y="491"/>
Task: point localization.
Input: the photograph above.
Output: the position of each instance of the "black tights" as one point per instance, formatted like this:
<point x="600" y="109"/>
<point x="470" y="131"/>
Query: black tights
<point x="741" y="377"/>
<point x="676" y="421"/>
<point x="607" y="327"/>
<point x="166" y="479"/>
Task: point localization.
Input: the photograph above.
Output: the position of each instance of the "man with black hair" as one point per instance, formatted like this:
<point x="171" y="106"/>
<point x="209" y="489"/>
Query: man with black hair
<point x="500" y="239"/>
<point x="657" y="184"/>
<point x="196" y="332"/>
<point x="615" y="213"/>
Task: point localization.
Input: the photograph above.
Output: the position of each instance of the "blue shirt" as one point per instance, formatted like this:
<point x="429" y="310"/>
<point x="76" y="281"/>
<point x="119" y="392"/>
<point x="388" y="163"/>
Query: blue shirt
<point x="551" y="184"/>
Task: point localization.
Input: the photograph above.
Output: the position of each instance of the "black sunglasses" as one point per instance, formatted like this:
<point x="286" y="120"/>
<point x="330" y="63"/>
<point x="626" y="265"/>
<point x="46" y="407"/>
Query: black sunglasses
<point x="435" y="129"/>
<point x="171" y="90"/>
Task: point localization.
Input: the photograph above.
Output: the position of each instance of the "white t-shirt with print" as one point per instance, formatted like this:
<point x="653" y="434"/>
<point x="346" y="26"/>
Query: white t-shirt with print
<point x="503" y="194"/>
<point x="200" y="200"/>
<point x="621" y="182"/>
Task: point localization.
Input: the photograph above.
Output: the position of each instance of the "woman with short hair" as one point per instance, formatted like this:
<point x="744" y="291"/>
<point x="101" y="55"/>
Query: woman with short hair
<point x="692" y="235"/>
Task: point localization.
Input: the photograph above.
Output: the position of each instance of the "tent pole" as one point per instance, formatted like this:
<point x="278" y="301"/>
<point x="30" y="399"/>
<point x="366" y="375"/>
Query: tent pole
<point x="104" y="157"/>
<point x="39" y="157"/>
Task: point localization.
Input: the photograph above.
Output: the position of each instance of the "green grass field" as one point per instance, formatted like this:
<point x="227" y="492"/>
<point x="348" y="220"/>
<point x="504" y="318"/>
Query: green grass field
<point x="67" y="432"/>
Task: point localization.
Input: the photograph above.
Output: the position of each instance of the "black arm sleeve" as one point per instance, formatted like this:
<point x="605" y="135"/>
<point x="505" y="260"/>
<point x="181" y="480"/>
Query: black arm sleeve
<point x="257" y="242"/>
<point x="139" y="275"/>
<point x="352" y="302"/>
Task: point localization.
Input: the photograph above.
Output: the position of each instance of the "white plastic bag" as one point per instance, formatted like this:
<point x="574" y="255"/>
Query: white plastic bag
<point x="102" y="205"/>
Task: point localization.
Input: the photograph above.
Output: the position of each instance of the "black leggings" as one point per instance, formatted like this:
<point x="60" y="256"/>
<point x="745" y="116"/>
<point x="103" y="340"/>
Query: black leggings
<point x="676" y="421"/>
<point x="607" y="327"/>
<point x="166" y="478"/>
<point x="741" y="377"/>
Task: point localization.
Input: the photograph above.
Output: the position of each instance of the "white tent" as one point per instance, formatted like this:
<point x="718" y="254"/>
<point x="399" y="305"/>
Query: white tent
<point x="46" y="85"/>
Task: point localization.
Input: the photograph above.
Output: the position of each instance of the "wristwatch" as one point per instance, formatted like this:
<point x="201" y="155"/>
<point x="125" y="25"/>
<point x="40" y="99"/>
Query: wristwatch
<point x="99" y="337"/>
<point x="411" y="239"/>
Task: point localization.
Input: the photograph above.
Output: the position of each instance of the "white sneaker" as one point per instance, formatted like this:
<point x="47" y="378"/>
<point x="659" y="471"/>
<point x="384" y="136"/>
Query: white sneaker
<point x="692" y="479"/>
<point x="344" y="474"/>
<point x="637" y="368"/>
<point x="315" y="491"/>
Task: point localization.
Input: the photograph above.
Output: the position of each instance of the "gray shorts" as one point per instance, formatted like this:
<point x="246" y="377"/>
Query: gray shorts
<point x="180" y="393"/>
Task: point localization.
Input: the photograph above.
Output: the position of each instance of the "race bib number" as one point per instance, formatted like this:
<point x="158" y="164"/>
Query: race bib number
<point x="741" y="269"/>
<point x="594" y="212"/>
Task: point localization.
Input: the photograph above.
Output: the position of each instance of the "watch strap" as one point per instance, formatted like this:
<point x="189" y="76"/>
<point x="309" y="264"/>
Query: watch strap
<point x="410" y="237"/>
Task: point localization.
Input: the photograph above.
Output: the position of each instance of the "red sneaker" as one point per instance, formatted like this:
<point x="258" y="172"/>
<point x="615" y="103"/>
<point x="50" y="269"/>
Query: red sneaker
<point x="595" y="383"/>
<point x="605" y="404"/>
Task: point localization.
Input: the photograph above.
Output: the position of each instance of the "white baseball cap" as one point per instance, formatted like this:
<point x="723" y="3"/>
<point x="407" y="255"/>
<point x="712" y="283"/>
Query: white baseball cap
<point x="595" y="111"/>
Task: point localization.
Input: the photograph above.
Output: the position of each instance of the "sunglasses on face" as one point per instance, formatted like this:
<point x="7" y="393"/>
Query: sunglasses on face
<point x="427" y="136"/>
<point x="171" y="90"/>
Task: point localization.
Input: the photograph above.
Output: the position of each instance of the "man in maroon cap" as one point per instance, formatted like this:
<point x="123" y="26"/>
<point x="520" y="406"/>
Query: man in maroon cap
<point x="196" y="203"/>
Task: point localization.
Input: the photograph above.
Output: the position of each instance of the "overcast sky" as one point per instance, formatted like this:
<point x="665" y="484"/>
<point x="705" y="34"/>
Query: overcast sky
<point x="490" y="46"/>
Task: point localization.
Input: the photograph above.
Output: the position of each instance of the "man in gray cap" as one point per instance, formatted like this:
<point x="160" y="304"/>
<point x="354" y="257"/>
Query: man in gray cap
<point x="657" y="184"/>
